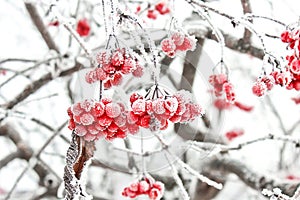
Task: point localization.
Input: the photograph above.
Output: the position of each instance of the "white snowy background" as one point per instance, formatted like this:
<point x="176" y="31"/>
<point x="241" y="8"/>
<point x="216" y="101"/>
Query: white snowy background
<point x="20" y="39"/>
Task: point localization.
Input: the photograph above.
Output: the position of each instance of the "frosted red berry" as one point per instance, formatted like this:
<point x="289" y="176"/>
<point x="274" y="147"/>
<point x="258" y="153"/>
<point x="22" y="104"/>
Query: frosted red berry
<point x="259" y="88"/>
<point x="83" y="27"/>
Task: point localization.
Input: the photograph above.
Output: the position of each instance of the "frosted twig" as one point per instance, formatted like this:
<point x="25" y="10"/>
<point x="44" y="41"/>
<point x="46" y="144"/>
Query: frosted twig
<point x="243" y="22"/>
<point x="17" y="60"/>
<point x="150" y="42"/>
<point x="187" y="167"/>
<point x="276" y="194"/>
<point x="22" y="115"/>
<point x="217" y="32"/>
<point x="38" y="99"/>
<point x="202" y="178"/>
<point x="34" y="160"/>
<point x="145" y="154"/>
<point x="182" y="190"/>
<point x="251" y="15"/>
<point x="219" y="148"/>
<point x="29" y="68"/>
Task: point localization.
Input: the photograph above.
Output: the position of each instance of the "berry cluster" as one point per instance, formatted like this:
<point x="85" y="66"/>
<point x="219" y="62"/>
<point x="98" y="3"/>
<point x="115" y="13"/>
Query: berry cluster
<point x="292" y="38"/>
<point x="92" y="119"/>
<point x="267" y="82"/>
<point x="113" y="67"/>
<point x="145" y="186"/>
<point x="178" y="42"/>
<point x="155" y="114"/>
<point x="222" y="87"/>
<point x="160" y="8"/>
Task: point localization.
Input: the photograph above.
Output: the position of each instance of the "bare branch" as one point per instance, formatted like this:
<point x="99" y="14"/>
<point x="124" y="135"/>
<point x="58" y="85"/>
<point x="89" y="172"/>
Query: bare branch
<point x="34" y="86"/>
<point x="250" y="178"/>
<point x="38" y="22"/>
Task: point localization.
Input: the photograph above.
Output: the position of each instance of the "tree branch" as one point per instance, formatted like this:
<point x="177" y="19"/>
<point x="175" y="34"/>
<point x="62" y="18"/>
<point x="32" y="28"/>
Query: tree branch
<point x="250" y="178"/>
<point x="38" y="22"/>
<point x="34" y="86"/>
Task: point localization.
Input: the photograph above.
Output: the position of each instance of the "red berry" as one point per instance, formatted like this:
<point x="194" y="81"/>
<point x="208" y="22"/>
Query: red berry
<point x="117" y="58"/>
<point x="145" y="121"/>
<point x="133" y="128"/>
<point x="89" y="137"/>
<point x="71" y="124"/>
<point x="128" y="66"/>
<point x="101" y="74"/>
<point x="189" y="43"/>
<point x="112" y="110"/>
<point x="154" y="194"/>
<point x="83" y="28"/>
<point x="91" y="77"/>
<point x="139" y="106"/>
<point x="178" y="38"/>
<point x="117" y="79"/>
<point x="86" y="119"/>
<point x="168" y="45"/>
<point x="109" y="68"/>
<point x="80" y="130"/>
<point x="285" y="37"/>
<point x="98" y="109"/>
<point x="162" y="8"/>
<point x="158" y="106"/>
<point x="143" y="187"/>
<point x="105" y="120"/>
<point x="132" y="118"/>
<point x="134" y="97"/>
<point x="269" y="81"/>
<point x="139" y="71"/>
<point x="259" y="88"/>
<point x="222" y="104"/>
<point x="87" y="105"/>
<point x="107" y="84"/>
<point x="138" y="9"/>
<point x="152" y="14"/>
<point x="231" y="135"/>
<point x="295" y="67"/>
<point x="243" y="106"/>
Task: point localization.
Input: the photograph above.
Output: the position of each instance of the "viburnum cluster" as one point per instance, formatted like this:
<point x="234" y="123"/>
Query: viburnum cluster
<point x="178" y="42"/>
<point x="267" y="82"/>
<point x="92" y="119"/>
<point x="292" y="38"/>
<point x="161" y="8"/>
<point x="145" y="186"/>
<point x="112" y="67"/>
<point x="156" y="113"/>
<point x="222" y="87"/>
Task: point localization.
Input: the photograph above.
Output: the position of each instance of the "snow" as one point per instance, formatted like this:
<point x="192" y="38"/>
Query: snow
<point x="21" y="39"/>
